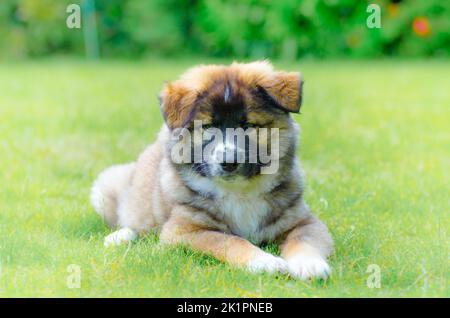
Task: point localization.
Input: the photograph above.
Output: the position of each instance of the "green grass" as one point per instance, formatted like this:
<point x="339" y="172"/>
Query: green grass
<point x="375" y="149"/>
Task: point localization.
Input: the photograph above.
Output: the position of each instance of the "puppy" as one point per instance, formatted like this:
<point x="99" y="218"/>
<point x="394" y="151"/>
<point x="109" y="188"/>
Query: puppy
<point x="223" y="207"/>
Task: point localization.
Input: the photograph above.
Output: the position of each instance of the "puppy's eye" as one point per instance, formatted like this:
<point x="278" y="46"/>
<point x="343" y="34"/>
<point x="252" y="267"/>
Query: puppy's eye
<point x="207" y="126"/>
<point x="249" y="125"/>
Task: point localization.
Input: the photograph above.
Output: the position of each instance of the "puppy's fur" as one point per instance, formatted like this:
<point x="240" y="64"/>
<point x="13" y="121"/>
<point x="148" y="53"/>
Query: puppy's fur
<point x="220" y="211"/>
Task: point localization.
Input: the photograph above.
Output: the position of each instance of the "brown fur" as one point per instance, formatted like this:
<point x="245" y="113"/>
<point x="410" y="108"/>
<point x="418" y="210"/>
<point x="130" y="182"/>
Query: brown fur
<point x="157" y="194"/>
<point x="179" y="97"/>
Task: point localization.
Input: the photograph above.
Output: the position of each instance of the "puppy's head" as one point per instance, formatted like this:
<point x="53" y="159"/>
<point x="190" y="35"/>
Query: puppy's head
<point x="229" y="121"/>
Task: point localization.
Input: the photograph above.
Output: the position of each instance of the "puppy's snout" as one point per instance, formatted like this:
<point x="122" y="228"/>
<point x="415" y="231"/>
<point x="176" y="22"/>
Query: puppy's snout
<point x="228" y="167"/>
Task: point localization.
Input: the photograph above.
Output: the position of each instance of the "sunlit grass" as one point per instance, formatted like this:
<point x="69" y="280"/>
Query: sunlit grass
<point x="375" y="149"/>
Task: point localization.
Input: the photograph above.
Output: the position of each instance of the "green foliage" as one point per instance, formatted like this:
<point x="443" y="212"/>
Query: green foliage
<point x="36" y="28"/>
<point x="157" y="26"/>
<point x="286" y="29"/>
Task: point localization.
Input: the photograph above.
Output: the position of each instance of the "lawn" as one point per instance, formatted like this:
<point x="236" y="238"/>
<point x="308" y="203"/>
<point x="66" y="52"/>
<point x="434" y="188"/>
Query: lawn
<point x="375" y="149"/>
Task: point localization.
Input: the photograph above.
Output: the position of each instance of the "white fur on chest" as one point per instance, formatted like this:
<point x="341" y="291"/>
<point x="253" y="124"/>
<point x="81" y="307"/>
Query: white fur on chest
<point x="243" y="215"/>
<point x="239" y="204"/>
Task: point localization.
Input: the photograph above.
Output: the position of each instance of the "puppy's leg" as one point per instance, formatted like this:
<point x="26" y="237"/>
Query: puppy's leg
<point x="306" y="249"/>
<point x="122" y="236"/>
<point x="225" y="247"/>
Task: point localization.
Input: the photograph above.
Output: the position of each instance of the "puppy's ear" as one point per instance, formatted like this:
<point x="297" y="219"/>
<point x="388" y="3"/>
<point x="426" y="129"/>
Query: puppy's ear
<point x="177" y="104"/>
<point x="284" y="90"/>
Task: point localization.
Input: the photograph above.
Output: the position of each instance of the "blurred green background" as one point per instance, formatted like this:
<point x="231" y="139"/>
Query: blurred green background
<point x="283" y="29"/>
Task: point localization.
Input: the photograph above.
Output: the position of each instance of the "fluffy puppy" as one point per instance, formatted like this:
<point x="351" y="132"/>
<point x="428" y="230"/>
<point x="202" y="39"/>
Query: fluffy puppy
<point x="222" y="207"/>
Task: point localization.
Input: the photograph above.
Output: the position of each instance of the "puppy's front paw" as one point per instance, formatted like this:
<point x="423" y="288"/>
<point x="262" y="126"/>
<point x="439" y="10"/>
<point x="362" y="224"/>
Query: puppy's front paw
<point x="267" y="263"/>
<point x="305" y="266"/>
<point x="122" y="236"/>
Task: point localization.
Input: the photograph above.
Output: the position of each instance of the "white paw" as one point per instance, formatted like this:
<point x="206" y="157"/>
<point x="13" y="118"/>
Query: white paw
<point x="122" y="236"/>
<point x="306" y="265"/>
<point x="267" y="263"/>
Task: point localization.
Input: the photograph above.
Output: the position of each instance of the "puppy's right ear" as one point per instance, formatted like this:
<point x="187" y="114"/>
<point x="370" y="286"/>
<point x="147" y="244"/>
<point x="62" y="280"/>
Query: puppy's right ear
<point x="177" y="105"/>
<point x="286" y="89"/>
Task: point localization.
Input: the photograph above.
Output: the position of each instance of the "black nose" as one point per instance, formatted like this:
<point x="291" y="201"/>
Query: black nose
<point x="228" y="167"/>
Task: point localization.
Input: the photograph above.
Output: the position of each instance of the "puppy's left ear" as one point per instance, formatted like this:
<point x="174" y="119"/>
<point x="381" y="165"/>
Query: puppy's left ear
<point x="177" y="104"/>
<point x="286" y="90"/>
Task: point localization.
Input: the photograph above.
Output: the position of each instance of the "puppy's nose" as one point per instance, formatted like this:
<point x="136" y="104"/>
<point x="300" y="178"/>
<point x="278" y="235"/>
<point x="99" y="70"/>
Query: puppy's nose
<point x="228" y="167"/>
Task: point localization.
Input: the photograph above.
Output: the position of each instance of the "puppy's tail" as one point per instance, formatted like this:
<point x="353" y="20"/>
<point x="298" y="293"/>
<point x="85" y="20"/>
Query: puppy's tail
<point x="107" y="189"/>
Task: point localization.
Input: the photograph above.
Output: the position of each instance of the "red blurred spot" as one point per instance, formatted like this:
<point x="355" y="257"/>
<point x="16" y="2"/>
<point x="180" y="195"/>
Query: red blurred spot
<point x="421" y="26"/>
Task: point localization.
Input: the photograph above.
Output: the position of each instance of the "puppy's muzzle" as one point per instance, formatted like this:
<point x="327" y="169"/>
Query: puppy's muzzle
<point x="229" y="166"/>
